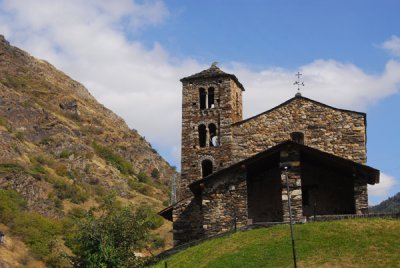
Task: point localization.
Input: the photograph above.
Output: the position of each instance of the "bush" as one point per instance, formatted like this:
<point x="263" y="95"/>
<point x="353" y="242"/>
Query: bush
<point x="61" y="170"/>
<point x="19" y="135"/>
<point x="46" y="141"/>
<point x="139" y="187"/>
<point x="37" y="171"/>
<point x="37" y="231"/>
<point x="77" y="213"/>
<point x="3" y="121"/>
<point x="155" y="174"/>
<point x="113" y="158"/>
<point x="111" y="239"/>
<point x="66" y="153"/>
<point x="154" y="220"/>
<point x="73" y="192"/>
<point x="156" y="242"/>
<point x="11" y="167"/>
<point x="11" y="203"/>
<point x="142" y="177"/>
<point x="44" y="159"/>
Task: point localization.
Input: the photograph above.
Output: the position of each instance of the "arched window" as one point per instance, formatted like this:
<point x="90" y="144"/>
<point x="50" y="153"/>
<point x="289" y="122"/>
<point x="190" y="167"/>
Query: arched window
<point x="213" y="135"/>
<point x="202" y="135"/>
<point x="206" y="168"/>
<point x="297" y="137"/>
<point x="203" y="98"/>
<point x="211" y="97"/>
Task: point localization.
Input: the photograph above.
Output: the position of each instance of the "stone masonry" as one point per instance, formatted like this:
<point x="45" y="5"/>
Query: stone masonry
<point x="226" y="110"/>
<point x="335" y="131"/>
<point x="217" y="192"/>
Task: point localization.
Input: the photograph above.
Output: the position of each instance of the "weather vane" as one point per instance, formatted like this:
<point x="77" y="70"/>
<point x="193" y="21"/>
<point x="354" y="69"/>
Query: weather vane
<point x="298" y="83"/>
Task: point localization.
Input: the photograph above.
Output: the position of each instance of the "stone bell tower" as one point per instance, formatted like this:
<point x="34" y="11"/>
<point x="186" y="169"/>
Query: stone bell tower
<point x="211" y="103"/>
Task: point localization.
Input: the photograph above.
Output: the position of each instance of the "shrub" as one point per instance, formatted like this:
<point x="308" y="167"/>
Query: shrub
<point x="19" y="135"/>
<point x="37" y="231"/>
<point x="37" y="171"/>
<point x="44" y="159"/>
<point x="46" y="141"/>
<point x="155" y="174"/>
<point x="16" y="148"/>
<point x="61" y="169"/>
<point x="156" y="242"/>
<point x="73" y="192"/>
<point x="142" y="177"/>
<point x="11" y="203"/>
<point x="74" y="116"/>
<point x="154" y="220"/>
<point x="144" y="189"/>
<point x="139" y="187"/>
<point x="113" y="158"/>
<point x="11" y="167"/>
<point x="3" y="121"/>
<point x="77" y="213"/>
<point x="66" y="153"/>
<point x="111" y="239"/>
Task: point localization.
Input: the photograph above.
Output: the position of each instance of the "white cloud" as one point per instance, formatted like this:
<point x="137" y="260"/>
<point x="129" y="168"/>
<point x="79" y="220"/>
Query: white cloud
<point x="89" y="41"/>
<point x="381" y="190"/>
<point x="392" y="45"/>
<point x="343" y="85"/>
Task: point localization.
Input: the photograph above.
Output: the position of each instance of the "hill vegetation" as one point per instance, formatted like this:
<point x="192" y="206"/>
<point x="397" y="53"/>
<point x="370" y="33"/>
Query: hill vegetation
<point x="346" y="243"/>
<point x="391" y="205"/>
<point x="61" y="154"/>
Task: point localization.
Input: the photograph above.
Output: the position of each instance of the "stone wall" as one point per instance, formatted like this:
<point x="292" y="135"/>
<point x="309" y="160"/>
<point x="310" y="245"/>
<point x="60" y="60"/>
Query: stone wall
<point x="224" y="203"/>
<point x="294" y="181"/>
<point x="334" y="131"/>
<point x="361" y="197"/>
<point x="226" y="111"/>
<point x="187" y="220"/>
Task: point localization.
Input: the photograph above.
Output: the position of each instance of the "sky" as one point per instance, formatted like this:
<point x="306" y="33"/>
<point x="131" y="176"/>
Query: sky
<point x="131" y="54"/>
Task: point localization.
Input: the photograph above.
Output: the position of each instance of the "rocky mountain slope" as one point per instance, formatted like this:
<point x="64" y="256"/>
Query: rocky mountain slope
<point x="61" y="149"/>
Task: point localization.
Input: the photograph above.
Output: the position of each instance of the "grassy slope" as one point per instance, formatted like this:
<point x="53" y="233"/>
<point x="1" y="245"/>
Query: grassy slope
<point x="347" y="243"/>
<point x="14" y="253"/>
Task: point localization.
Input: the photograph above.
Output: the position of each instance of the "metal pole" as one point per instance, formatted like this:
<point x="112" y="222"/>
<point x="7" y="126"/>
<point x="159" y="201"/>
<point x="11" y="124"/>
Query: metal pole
<point x="234" y="211"/>
<point x="290" y="219"/>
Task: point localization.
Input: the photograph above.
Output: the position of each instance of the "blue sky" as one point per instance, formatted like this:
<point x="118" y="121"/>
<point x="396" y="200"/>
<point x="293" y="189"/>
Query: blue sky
<point x="131" y="55"/>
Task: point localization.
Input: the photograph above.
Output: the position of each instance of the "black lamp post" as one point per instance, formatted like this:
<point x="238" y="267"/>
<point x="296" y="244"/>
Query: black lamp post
<point x="286" y="167"/>
<point x="232" y="189"/>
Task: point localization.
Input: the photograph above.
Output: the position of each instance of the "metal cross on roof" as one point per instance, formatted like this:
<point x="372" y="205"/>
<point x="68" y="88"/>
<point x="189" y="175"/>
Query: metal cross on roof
<point x="298" y="83"/>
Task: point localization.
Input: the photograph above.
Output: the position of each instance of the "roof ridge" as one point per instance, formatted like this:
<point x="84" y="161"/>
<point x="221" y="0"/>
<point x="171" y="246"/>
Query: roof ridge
<point x="294" y="98"/>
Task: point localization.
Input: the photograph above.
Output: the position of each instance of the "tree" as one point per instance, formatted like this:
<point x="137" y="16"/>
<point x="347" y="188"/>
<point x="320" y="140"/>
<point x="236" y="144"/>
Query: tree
<point x="110" y="240"/>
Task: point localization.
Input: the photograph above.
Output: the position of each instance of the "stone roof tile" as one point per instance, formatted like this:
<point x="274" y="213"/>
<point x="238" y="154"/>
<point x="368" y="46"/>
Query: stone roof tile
<point x="213" y="72"/>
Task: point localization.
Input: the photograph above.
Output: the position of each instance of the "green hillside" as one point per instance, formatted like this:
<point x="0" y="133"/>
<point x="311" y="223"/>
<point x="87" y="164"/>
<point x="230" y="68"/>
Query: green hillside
<point x="390" y="205"/>
<point x="346" y="243"/>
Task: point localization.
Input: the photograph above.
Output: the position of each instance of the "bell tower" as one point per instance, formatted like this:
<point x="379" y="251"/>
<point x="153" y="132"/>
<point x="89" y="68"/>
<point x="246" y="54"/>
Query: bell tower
<point x="211" y="103"/>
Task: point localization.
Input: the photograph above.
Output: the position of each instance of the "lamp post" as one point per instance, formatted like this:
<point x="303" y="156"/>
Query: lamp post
<point x="285" y="167"/>
<point x="232" y="188"/>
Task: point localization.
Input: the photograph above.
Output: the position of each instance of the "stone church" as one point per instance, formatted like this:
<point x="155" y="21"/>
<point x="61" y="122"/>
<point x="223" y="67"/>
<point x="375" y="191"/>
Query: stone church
<point x="231" y="168"/>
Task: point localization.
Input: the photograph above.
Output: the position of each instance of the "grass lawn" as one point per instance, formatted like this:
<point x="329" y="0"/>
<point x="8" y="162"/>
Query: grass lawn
<point x="345" y="243"/>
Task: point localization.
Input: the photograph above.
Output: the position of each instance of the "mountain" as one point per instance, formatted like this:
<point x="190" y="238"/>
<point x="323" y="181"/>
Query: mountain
<point x="61" y="149"/>
<point x="391" y="205"/>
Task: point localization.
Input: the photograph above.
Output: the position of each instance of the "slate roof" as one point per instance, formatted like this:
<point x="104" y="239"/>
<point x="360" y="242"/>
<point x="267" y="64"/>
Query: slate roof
<point x="212" y="72"/>
<point x="364" y="171"/>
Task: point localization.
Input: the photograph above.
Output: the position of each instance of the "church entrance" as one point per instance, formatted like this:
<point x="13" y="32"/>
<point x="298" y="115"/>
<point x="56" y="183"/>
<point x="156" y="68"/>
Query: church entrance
<point x="326" y="190"/>
<point x="264" y="192"/>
